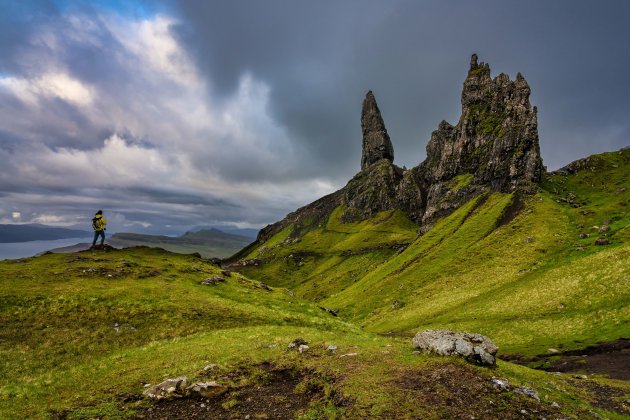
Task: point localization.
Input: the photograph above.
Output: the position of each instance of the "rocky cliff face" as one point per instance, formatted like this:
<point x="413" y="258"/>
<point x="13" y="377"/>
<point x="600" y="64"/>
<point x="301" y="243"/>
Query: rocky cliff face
<point x="493" y="147"/>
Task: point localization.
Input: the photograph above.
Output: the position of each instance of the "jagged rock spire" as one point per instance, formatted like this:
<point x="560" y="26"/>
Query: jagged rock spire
<point x="376" y="142"/>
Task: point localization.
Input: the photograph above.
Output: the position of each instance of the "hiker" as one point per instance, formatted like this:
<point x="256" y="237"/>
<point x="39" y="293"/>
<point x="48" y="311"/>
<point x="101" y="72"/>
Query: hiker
<point x="98" y="224"/>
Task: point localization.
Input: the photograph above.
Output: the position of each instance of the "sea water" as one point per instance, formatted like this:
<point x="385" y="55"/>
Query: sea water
<point x="14" y="250"/>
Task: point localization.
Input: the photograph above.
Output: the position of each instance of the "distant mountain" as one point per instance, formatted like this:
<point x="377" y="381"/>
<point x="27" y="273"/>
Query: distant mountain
<point x="250" y="233"/>
<point x="37" y="232"/>
<point x="208" y="242"/>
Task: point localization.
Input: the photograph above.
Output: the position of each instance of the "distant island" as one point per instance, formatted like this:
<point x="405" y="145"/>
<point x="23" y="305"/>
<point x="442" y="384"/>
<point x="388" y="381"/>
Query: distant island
<point x="38" y="232"/>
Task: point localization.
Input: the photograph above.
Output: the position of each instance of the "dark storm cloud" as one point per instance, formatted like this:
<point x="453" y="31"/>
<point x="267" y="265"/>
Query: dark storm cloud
<point x="320" y="58"/>
<point x="183" y="113"/>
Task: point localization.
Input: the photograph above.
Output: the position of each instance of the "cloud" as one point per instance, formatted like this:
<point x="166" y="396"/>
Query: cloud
<point x="50" y="86"/>
<point x="185" y="113"/>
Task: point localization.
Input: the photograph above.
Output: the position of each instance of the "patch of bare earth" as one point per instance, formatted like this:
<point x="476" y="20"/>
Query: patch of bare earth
<point x="606" y="397"/>
<point x="611" y="359"/>
<point x="462" y="392"/>
<point x="272" y="397"/>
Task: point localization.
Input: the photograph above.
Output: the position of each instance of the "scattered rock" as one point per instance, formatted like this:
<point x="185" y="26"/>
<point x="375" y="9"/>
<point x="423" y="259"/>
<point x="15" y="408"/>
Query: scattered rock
<point x="397" y="304"/>
<point x="295" y="344"/>
<point x="226" y="273"/>
<point x="475" y="348"/>
<point x="501" y="384"/>
<point x="170" y="388"/>
<point x="348" y="355"/>
<point x="604" y="229"/>
<point x="213" y="281"/>
<point x="583" y="235"/>
<point x="302" y="348"/>
<point x="580" y="376"/>
<point x="264" y="286"/>
<point x="530" y="392"/>
<point x="331" y="348"/>
<point x="555" y="405"/>
<point x="553" y="351"/>
<point x="205" y="389"/>
<point x="602" y="241"/>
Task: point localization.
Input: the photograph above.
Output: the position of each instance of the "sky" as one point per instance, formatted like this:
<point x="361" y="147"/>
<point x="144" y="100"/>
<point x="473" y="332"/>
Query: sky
<point x="173" y="114"/>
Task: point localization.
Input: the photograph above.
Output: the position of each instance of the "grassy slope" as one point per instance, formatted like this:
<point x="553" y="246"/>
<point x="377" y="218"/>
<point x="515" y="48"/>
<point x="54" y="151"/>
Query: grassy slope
<point x="530" y="284"/>
<point x="58" y="315"/>
<point x="329" y="258"/>
<point x="60" y="350"/>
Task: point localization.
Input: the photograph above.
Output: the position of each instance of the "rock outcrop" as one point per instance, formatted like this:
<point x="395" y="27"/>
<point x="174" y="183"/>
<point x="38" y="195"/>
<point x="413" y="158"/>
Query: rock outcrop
<point x="376" y="142"/>
<point x="475" y="348"/>
<point x="493" y="147"/>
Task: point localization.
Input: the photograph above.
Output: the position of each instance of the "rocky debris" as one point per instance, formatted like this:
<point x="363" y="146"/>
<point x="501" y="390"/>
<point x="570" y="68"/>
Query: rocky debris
<point x="475" y="348"/>
<point x="213" y="281"/>
<point x="602" y="241"/>
<point x="264" y="286"/>
<point x="295" y="344"/>
<point x="349" y="355"/>
<point x="530" y="392"/>
<point x="226" y="273"/>
<point x="583" y="235"/>
<point x="179" y="388"/>
<point x="331" y="348"/>
<point x="376" y="142"/>
<point x="170" y="388"/>
<point x="397" y="304"/>
<point x="604" y="229"/>
<point x="205" y="389"/>
<point x="303" y="348"/>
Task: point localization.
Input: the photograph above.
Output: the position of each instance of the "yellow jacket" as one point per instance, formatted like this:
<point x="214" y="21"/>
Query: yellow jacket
<point x="100" y="222"/>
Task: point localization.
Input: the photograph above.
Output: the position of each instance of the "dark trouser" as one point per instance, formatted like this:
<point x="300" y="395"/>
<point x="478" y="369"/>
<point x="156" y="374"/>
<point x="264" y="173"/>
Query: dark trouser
<point x="98" y="233"/>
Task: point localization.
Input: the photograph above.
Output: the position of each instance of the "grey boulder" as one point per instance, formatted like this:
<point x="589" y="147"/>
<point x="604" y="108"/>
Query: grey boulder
<point x="475" y="348"/>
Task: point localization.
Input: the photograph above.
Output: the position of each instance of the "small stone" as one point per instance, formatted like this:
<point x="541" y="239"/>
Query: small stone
<point x="604" y="229"/>
<point x="530" y="392"/>
<point x="555" y="405"/>
<point x="295" y="344"/>
<point x="602" y="241"/>
<point x="209" y="367"/>
<point x="348" y="355"/>
<point x="332" y="348"/>
<point x="213" y="281"/>
<point x="583" y="235"/>
<point x="580" y="376"/>
<point x="302" y="348"/>
<point x="501" y="384"/>
<point x="553" y="351"/>
<point x="416" y="352"/>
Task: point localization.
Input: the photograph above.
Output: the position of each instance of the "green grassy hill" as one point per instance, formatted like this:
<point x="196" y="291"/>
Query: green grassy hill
<point x="81" y="334"/>
<point x="514" y="268"/>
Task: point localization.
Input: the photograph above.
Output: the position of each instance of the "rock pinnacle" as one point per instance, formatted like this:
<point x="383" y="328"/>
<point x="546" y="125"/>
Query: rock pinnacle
<point x="376" y="142"/>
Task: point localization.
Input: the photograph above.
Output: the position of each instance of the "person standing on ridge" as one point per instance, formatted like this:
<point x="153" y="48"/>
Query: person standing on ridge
<point x="98" y="224"/>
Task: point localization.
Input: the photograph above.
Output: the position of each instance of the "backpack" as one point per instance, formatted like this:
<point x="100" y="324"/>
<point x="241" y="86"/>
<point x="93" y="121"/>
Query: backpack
<point x="96" y="224"/>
